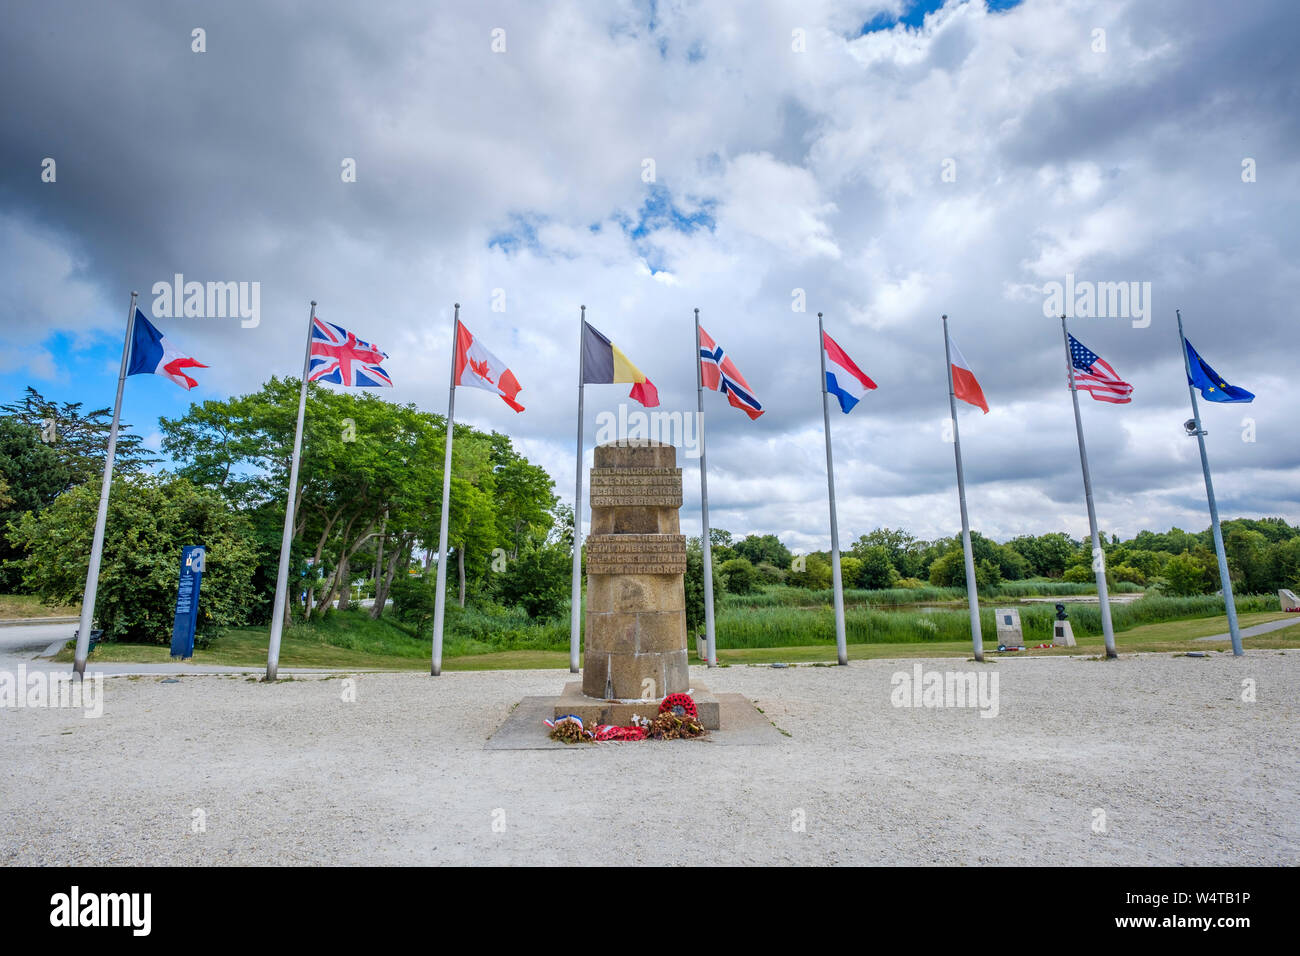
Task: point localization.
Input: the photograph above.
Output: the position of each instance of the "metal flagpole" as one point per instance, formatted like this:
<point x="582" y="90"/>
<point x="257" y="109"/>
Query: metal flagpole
<point x="841" y="643"/>
<point x="706" y="546"/>
<point x="1233" y="629"/>
<point x="575" y="611"/>
<point x="1098" y="555"/>
<point x="97" y="544"/>
<point x="286" y="538"/>
<point x="972" y="592"/>
<point x="440" y="597"/>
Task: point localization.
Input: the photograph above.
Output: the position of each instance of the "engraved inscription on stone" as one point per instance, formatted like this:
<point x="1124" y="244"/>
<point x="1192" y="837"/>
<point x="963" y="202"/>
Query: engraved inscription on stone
<point x="633" y="487"/>
<point x="636" y="554"/>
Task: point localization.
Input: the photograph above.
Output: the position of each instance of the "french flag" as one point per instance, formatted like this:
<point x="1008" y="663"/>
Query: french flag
<point x="152" y="354"/>
<point x="844" y="379"/>
<point x="964" y="383"/>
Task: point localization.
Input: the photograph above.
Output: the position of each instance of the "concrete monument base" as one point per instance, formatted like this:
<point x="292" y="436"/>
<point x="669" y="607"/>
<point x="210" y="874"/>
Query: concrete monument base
<point x="592" y="710"/>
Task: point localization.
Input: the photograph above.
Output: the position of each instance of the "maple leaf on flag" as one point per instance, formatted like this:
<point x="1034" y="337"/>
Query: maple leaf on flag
<point x="481" y="369"/>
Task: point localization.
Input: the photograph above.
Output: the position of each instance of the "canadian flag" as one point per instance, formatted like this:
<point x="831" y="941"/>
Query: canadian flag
<point x="964" y="383"/>
<point x="479" y="368"/>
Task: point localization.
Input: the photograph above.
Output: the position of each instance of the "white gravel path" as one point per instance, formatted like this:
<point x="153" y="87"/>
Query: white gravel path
<point x="1184" y="770"/>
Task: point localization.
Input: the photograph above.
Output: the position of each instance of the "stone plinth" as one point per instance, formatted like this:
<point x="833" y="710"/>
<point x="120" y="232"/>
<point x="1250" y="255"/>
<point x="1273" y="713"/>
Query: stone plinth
<point x="620" y="713"/>
<point x="636" y="561"/>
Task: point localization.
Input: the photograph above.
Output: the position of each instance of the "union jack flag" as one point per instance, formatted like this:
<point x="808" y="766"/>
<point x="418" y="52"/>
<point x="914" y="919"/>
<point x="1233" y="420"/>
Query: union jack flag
<point x="338" y="356"/>
<point x="1094" y="375"/>
<point x="719" y="373"/>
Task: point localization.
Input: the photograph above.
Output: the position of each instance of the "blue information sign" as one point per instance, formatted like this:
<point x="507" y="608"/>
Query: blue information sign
<point x="193" y="557"/>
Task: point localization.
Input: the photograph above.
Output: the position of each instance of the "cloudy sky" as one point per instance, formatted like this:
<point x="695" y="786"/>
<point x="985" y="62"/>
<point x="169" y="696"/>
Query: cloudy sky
<point x="886" y="161"/>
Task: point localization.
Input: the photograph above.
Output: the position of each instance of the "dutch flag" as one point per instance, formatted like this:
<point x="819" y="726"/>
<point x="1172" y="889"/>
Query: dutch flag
<point x="844" y="379"/>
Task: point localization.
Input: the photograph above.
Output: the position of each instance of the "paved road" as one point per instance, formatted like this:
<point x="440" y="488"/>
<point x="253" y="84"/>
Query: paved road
<point x="25" y="641"/>
<point x="22" y="643"/>
<point x="1255" y="631"/>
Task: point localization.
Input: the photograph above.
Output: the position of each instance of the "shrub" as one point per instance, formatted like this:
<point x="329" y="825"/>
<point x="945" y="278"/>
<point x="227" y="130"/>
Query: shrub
<point x="737" y="575"/>
<point x="149" y="520"/>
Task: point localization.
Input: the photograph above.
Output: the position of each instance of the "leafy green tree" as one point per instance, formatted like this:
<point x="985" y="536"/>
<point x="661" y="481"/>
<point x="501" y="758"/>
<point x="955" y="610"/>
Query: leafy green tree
<point x="538" y="580"/>
<point x="737" y="575"/>
<point x="523" y="495"/>
<point x="1247" y="552"/>
<point x="769" y="574"/>
<point x="1187" y="575"/>
<point x="759" y="548"/>
<point x="1012" y="565"/>
<point x="987" y="576"/>
<point x="414" y="601"/>
<point x="1283" y="558"/>
<point x="149" y="520"/>
<point x="850" y="570"/>
<point x="949" y="571"/>
<point x="877" y="569"/>
<point x="900" y="547"/>
<point x="33" y="476"/>
<point x="694" y="584"/>
<point x="79" y="439"/>
<point x="1048" y="554"/>
<point x="812" y="571"/>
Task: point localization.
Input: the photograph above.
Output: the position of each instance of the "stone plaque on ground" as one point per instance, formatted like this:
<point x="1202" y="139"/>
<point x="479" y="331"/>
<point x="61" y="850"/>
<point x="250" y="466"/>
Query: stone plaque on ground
<point x="1009" y="631"/>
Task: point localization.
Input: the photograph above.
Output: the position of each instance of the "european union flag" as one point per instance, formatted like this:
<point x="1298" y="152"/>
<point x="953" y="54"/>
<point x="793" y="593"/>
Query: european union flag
<point x="1213" y="387"/>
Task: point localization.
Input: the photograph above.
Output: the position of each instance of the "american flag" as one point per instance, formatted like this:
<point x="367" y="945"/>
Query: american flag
<point x="1094" y="375"/>
<point x="338" y="356"/>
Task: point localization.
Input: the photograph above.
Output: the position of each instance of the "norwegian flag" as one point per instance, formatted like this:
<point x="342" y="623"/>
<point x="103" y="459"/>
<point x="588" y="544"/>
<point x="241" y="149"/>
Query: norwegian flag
<point x="338" y="356"/>
<point x="720" y="374"/>
<point x="1094" y="375"/>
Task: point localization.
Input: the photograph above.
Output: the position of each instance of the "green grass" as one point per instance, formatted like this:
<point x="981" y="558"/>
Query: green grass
<point x="1169" y="636"/>
<point x="20" y="606"/>
<point x="351" y="641"/>
<point x="795" y="626"/>
<point x="784" y="595"/>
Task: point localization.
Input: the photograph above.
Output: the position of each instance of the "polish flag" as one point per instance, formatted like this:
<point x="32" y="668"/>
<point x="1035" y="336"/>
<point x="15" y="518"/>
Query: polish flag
<point x="964" y="384"/>
<point x="476" y="367"/>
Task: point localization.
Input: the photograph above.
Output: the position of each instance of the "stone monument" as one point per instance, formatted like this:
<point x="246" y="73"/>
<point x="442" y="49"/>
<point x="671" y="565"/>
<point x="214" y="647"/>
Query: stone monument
<point x="635" y="634"/>
<point x="1062" y="630"/>
<point x="1010" y="633"/>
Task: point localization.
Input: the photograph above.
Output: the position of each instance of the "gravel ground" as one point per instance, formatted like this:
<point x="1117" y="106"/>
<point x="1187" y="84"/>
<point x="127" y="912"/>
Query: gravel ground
<point x="1183" y="770"/>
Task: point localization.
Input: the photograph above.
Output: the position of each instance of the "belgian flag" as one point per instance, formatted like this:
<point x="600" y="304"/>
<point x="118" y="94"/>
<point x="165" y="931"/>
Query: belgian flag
<point x="603" y="363"/>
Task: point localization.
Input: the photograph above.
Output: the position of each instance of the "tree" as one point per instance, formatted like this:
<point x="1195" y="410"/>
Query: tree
<point x="722" y="541"/>
<point x="815" y="574"/>
<point x="877" y="569"/>
<point x="949" y="571"/>
<point x="79" y="439"/>
<point x="414" y="601"/>
<point x="759" y="548"/>
<point x="900" y="550"/>
<point x="694" y="584"/>
<point x="1048" y="554"/>
<point x="1187" y="575"/>
<point x="737" y="575"/>
<point x="1247" y="552"/>
<point x="149" y="520"/>
<point x="987" y="576"/>
<point x="538" y="580"/>
<point x="33" y="476"/>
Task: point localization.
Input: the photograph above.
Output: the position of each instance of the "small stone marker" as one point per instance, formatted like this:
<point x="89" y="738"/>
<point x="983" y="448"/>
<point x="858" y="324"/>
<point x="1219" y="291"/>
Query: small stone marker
<point x="1062" y="634"/>
<point x="1009" y="632"/>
